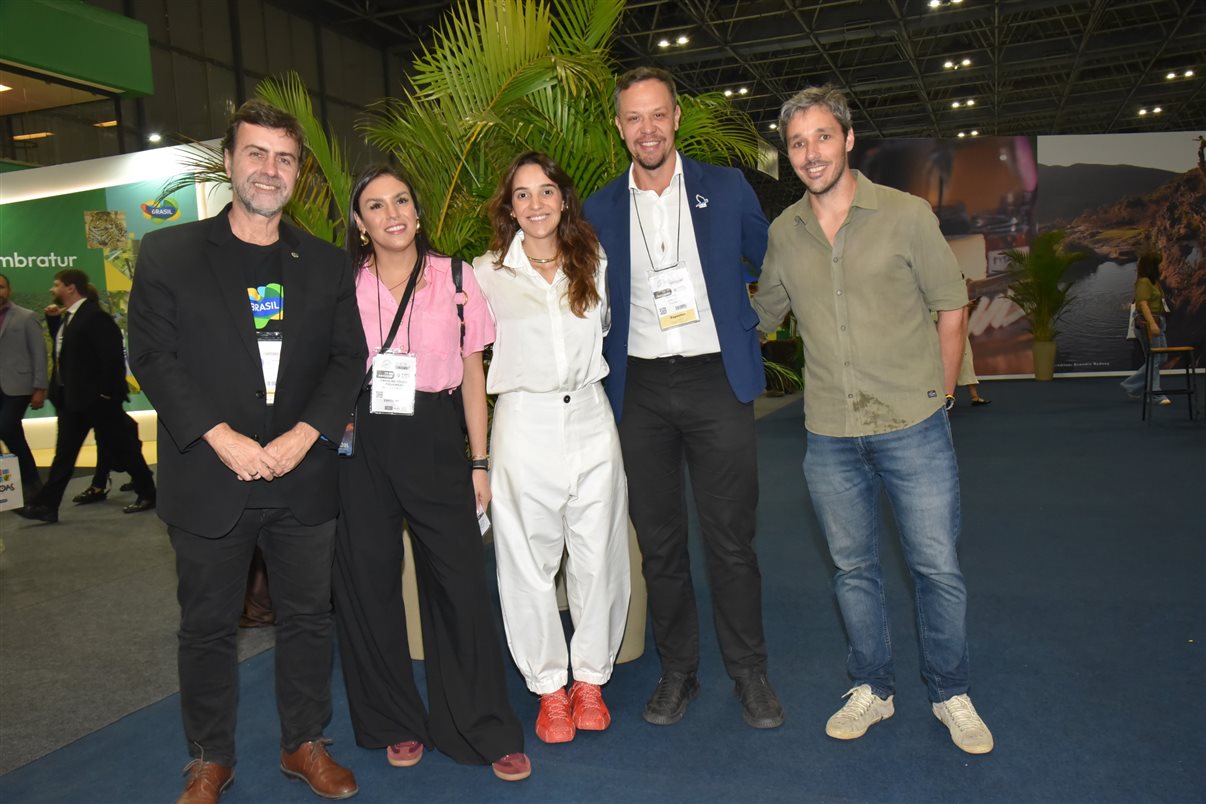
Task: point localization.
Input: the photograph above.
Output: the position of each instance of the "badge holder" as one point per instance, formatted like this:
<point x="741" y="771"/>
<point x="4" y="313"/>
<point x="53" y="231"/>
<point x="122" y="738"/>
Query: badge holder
<point x="347" y="444"/>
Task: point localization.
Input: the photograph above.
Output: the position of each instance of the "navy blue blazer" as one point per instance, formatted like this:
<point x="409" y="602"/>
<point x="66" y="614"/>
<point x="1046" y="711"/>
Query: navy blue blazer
<point x="729" y="225"/>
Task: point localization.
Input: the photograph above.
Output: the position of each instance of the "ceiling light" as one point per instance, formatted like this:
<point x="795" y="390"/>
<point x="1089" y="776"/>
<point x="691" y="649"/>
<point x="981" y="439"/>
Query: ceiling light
<point x="682" y="39"/>
<point x="955" y="105"/>
<point x="743" y="91"/>
<point x="105" y="124"/>
<point x="774" y="126"/>
<point x="728" y="93"/>
<point x="4" y="88"/>
<point x="966" y="62"/>
<point x="935" y="3"/>
<point x="948" y="64"/>
<point x="1143" y="111"/>
<point x="1157" y="110"/>
<point x="971" y="102"/>
<point x="1189" y="73"/>
<point x="956" y="2"/>
<point x="961" y="135"/>
<point x="664" y="43"/>
<point x="37" y="135"/>
<point x="154" y="137"/>
<point x="1171" y="76"/>
<point x="975" y="133"/>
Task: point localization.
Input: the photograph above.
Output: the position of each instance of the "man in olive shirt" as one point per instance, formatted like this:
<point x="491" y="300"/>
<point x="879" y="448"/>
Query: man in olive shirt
<point x="862" y="266"/>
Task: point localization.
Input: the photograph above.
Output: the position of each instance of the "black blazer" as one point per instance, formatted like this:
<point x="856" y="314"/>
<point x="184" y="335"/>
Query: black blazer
<point x="91" y="361"/>
<point x="193" y="349"/>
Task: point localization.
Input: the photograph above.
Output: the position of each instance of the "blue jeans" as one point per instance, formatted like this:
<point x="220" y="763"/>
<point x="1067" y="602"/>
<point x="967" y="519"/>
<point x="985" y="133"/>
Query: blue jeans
<point x="917" y="468"/>
<point x="1134" y="384"/>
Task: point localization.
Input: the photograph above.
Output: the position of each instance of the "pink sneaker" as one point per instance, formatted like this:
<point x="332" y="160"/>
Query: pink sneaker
<point x="513" y="767"/>
<point x="590" y="713"/>
<point x="404" y="754"/>
<point x="553" y="723"/>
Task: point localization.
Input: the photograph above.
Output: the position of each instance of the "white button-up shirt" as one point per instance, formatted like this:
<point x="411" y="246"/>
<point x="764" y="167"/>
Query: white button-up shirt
<point x="540" y="346"/>
<point x="657" y="242"/>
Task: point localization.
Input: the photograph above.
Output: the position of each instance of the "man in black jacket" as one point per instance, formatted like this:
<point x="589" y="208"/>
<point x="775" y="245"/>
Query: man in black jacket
<point x="87" y="388"/>
<point x="244" y="333"/>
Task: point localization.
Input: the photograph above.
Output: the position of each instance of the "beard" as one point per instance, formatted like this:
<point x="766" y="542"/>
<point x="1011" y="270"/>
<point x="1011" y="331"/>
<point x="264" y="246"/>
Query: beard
<point x="821" y="189"/>
<point x="259" y="202"/>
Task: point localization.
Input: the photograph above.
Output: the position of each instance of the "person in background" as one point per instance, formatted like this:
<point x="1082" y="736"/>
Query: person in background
<point x="23" y="381"/>
<point x="408" y="465"/>
<point x="557" y="474"/>
<point x="87" y="389"/>
<point x="1150" y="311"/>
<point x="967" y="370"/>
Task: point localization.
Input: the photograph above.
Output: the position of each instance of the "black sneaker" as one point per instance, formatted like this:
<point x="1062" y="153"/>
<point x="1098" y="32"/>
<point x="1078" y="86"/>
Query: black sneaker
<point x="669" y="701"/>
<point x="759" y="705"/>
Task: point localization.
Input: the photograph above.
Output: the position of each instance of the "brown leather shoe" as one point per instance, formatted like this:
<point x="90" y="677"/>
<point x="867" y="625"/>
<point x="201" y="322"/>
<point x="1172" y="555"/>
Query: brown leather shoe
<point x="206" y="781"/>
<point x="312" y="764"/>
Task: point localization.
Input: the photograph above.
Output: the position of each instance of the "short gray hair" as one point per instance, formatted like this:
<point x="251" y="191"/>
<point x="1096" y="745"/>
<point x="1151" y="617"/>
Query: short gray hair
<point x="828" y="96"/>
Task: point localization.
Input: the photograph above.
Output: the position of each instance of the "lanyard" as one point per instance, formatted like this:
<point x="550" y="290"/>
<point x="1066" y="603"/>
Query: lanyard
<point x="678" y="242"/>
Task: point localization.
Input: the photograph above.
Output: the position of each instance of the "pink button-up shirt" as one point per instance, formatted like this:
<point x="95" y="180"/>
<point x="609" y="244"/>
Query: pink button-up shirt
<point x="429" y="328"/>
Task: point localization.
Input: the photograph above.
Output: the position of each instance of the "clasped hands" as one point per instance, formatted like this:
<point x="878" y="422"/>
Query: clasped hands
<point x="249" y="461"/>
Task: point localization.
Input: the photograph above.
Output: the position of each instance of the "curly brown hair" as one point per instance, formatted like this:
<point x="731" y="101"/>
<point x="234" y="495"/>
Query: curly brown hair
<point x="578" y="244"/>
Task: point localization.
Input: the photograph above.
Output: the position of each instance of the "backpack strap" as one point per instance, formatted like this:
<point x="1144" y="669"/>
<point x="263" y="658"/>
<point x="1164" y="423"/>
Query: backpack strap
<point x="461" y="298"/>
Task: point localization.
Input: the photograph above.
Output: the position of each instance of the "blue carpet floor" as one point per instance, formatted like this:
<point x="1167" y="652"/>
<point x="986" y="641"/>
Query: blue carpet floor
<point x="1084" y="554"/>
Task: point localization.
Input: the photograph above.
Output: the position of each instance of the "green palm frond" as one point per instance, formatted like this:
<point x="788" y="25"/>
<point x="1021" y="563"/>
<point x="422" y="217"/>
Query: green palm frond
<point x="713" y="130"/>
<point x="1038" y="286"/>
<point x="203" y="164"/>
<point x="325" y="159"/>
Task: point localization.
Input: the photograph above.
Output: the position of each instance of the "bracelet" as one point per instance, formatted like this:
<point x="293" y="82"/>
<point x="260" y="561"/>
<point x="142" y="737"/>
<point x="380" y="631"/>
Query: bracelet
<point x="479" y="457"/>
<point x="481" y="468"/>
<point x="480" y="463"/>
<point x="950" y="401"/>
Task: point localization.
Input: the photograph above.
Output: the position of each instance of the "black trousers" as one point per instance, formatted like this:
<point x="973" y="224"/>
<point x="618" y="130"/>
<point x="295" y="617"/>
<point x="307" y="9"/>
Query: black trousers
<point x="212" y="584"/>
<point x="108" y="419"/>
<point x="12" y="411"/>
<point x="414" y="468"/>
<point x="681" y="411"/>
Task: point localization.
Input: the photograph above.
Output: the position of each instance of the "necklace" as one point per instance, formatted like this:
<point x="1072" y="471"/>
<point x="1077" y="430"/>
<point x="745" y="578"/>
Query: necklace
<point x="391" y="288"/>
<point x="538" y="261"/>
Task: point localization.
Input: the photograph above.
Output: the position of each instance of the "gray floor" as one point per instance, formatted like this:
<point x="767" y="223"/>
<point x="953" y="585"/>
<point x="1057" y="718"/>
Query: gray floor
<point x="88" y="620"/>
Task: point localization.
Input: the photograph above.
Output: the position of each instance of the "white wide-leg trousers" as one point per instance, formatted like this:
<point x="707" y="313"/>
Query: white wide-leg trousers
<point x="558" y="484"/>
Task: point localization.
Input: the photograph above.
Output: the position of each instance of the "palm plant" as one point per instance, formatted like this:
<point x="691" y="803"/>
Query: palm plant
<point x="504" y="76"/>
<point x="1038" y="285"/>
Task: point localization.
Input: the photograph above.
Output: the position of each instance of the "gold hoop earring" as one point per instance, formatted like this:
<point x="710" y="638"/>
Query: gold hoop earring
<point x="418" y="225"/>
<point x="364" y="238"/>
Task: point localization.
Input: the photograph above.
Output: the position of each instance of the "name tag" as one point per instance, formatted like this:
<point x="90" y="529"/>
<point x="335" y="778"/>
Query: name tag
<point x="395" y="376"/>
<point x="673" y="297"/>
<point x="270" y="344"/>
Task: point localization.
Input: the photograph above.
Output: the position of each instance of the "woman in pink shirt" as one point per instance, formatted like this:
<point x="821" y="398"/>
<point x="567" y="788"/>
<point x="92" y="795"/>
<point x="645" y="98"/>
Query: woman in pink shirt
<point x="408" y="464"/>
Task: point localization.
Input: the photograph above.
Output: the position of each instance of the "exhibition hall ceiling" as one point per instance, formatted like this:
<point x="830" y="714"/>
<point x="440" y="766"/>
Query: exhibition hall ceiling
<point x="911" y="67"/>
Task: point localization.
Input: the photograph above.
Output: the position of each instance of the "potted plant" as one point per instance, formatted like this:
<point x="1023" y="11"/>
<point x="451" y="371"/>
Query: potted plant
<point x="1039" y="289"/>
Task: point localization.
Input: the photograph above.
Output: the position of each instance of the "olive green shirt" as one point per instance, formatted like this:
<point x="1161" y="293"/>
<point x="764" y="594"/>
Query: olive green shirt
<point x="872" y="363"/>
<point x="1148" y="291"/>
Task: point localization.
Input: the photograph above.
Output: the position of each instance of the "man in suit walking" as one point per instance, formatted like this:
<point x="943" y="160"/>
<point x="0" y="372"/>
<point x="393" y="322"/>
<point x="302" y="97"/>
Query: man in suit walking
<point x="87" y="388"/>
<point x="245" y="336"/>
<point x="684" y="370"/>
<point x="22" y="381"/>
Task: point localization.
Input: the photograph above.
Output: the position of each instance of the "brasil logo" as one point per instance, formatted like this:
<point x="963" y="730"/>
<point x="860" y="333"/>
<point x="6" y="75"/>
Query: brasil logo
<point x="166" y="210"/>
<point x="267" y="303"/>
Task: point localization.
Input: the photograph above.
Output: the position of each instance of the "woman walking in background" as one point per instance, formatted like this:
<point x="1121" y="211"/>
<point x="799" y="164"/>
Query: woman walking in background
<point x="1150" y="327"/>
<point x="558" y="476"/>
<point x="408" y="464"/>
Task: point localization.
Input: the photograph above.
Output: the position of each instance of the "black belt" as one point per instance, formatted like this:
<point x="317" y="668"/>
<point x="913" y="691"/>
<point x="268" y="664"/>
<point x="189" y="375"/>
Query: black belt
<point x="674" y="360"/>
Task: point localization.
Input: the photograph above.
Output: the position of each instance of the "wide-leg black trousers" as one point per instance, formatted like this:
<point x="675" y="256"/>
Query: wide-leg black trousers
<point x="681" y="412"/>
<point x="414" y="469"/>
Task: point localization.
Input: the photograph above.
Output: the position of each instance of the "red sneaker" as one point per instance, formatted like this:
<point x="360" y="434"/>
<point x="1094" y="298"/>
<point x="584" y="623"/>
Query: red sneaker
<point x="404" y="754"/>
<point x="553" y="724"/>
<point x="513" y="767"/>
<point x="590" y="713"/>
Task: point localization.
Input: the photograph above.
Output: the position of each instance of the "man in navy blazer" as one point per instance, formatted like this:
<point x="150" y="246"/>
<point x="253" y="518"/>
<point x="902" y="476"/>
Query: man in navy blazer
<point x="685" y="368"/>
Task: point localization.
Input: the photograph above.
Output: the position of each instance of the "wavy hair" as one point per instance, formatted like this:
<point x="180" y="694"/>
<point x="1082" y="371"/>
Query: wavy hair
<point x="576" y="240"/>
<point x="360" y="252"/>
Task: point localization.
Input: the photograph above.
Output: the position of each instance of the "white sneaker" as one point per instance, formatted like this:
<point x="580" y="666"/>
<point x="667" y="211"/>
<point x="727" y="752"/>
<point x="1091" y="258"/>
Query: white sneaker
<point x="967" y="729"/>
<point x="863" y="710"/>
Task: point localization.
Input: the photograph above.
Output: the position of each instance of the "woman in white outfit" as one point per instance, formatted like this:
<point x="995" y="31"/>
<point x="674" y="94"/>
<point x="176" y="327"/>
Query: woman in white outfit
<point x="557" y="473"/>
